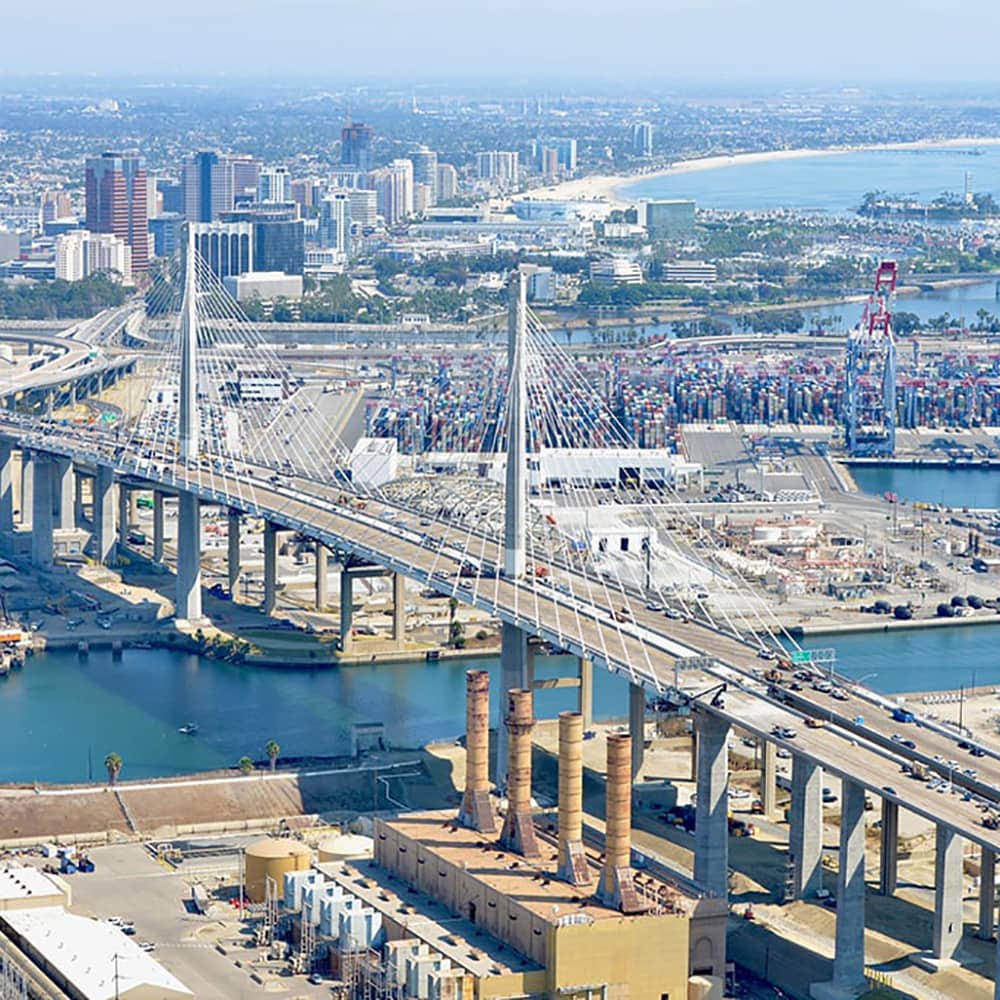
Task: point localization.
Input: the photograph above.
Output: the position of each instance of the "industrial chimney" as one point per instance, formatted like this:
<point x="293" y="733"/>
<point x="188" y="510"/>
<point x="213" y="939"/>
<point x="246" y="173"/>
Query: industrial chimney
<point x="477" y="809"/>
<point x="518" y="829"/>
<point x="573" y="865"/>
<point x="617" y="888"/>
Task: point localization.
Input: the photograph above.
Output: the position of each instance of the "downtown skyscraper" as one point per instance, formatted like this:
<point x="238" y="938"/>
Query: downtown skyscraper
<point x="116" y="192"/>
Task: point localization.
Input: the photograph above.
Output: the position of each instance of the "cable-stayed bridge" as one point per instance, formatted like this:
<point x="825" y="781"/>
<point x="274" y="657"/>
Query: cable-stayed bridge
<point x="225" y="422"/>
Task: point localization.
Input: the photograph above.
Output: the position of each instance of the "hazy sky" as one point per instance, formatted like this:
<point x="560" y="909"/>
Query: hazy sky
<point x="669" y="40"/>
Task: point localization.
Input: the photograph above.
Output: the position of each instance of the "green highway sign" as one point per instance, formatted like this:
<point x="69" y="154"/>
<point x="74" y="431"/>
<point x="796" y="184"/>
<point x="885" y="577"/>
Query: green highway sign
<point x="802" y="656"/>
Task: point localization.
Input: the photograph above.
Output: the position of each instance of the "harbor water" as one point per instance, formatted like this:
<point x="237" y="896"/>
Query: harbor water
<point x="977" y="487"/>
<point x="61" y="715"/>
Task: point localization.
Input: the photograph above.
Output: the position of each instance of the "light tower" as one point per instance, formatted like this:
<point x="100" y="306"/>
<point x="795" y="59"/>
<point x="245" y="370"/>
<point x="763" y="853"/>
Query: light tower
<point x="870" y="373"/>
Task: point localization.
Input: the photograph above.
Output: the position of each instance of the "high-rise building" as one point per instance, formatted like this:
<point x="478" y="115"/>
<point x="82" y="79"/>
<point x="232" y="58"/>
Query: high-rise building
<point x="172" y="193"/>
<point x="642" y="139"/>
<point x="279" y="242"/>
<point x="425" y="170"/>
<point x="500" y="166"/>
<point x="394" y="191"/>
<point x="305" y="192"/>
<point x="356" y="146"/>
<point x="566" y="150"/>
<point x="364" y="208"/>
<point x="213" y="181"/>
<point x="550" y="163"/>
<point x="246" y="177"/>
<point x="55" y="205"/>
<point x="227" y="247"/>
<point x="335" y="222"/>
<point x="166" y="232"/>
<point x="82" y="253"/>
<point x="116" y="202"/>
<point x="273" y="185"/>
<point x="447" y="182"/>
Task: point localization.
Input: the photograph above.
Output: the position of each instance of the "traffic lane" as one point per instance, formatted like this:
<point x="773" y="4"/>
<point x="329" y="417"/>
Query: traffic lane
<point x="860" y="763"/>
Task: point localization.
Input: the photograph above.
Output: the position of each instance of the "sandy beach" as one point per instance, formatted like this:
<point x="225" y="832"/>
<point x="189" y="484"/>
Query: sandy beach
<point x="607" y="188"/>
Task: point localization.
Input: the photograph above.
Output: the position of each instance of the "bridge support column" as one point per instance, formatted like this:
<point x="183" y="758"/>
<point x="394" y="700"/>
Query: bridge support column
<point x="188" y="557"/>
<point x="104" y="515"/>
<point x="637" y="725"/>
<point x="889" y="848"/>
<point x="399" y="609"/>
<point x="27" y="488"/>
<point x="6" y="486"/>
<point x="65" y="493"/>
<point x="322" y="575"/>
<point x="947" y="894"/>
<point x="987" y="893"/>
<point x="270" y="568"/>
<point x="585" y="693"/>
<point x="711" y="834"/>
<point x="849" y="948"/>
<point x="346" y="609"/>
<point x="123" y="511"/>
<point x="513" y="674"/>
<point x="78" y="498"/>
<point x="768" y="777"/>
<point x="233" y="525"/>
<point x="805" y="835"/>
<point x="159" y="499"/>
<point x="41" y="522"/>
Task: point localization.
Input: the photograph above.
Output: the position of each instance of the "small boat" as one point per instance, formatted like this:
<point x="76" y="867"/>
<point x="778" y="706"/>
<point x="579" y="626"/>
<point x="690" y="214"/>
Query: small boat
<point x="189" y="729"/>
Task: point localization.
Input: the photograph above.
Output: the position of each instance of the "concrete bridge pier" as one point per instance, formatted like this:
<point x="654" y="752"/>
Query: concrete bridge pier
<point x="849" y="948"/>
<point x="233" y="525"/>
<point x="6" y="485"/>
<point x="270" y="568"/>
<point x="346" y="609"/>
<point x="987" y="893"/>
<point x="322" y="576"/>
<point x="637" y="725"/>
<point x="123" y="511"/>
<point x="805" y="835"/>
<point x="159" y="499"/>
<point x="889" y="852"/>
<point x="399" y="609"/>
<point x="42" y="521"/>
<point x="64" y="505"/>
<point x="585" y="693"/>
<point x="513" y="675"/>
<point x="27" y="488"/>
<point x="104" y="516"/>
<point x="947" y="895"/>
<point x="188" y="605"/>
<point x="78" y="498"/>
<point x="768" y="777"/>
<point x="711" y="834"/>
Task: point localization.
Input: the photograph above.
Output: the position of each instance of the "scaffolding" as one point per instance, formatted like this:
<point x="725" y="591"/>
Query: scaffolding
<point x="870" y="373"/>
<point x="367" y="977"/>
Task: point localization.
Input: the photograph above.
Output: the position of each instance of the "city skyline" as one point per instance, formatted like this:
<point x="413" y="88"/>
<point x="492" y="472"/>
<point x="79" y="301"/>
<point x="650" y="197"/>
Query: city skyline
<point x="712" y="41"/>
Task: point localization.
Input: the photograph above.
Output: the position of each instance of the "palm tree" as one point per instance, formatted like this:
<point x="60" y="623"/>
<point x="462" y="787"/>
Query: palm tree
<point x="272" y="749"/>
<point x="113" y="762"/>
<point x="452" y="608"/>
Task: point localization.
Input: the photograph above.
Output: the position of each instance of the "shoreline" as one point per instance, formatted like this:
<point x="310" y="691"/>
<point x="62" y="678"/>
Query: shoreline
<point x="609" y="188"/>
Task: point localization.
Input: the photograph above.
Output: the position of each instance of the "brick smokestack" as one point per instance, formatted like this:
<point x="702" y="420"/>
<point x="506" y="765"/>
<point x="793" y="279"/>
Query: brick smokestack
<point x="518" y="829"/>
<point x="617" y="888"/>
<point x="573" y="865"/>
<point x="477" y="809"/>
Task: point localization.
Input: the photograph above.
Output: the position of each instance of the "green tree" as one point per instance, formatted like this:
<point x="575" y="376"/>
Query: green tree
<point x="113" y="762"/>
<point x="245" y="765"/>
<point x="272" y="749"/>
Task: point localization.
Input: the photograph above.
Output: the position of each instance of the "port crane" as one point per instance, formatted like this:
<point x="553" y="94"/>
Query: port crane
<point x="870" y="373"/>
